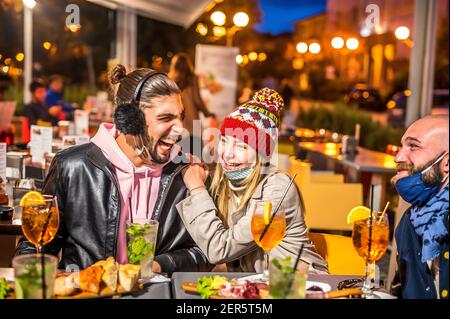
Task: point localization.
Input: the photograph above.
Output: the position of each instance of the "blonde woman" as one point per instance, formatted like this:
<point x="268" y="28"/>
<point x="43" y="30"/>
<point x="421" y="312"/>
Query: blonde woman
<point x="219" y="221"/>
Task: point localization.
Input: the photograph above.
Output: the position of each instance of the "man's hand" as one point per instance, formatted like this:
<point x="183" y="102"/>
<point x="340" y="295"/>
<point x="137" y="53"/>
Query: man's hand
<point x="156" y="267"/>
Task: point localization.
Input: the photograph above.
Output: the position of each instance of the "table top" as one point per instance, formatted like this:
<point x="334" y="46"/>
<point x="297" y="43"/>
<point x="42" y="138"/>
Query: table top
<point x="364" y="161"/>
<point x="150" y="291"/>
<point x="180" y="277"/>
<point x="7" y="228"/>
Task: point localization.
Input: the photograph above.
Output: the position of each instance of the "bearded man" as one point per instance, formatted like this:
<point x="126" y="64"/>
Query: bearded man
<point x="422" y="233"/>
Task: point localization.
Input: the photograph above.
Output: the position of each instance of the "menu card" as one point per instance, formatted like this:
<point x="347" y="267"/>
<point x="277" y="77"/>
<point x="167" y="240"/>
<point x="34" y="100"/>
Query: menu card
<point x="41" y="143"/>
<point x="3" y="161"/>
<point x="81" y="122"/>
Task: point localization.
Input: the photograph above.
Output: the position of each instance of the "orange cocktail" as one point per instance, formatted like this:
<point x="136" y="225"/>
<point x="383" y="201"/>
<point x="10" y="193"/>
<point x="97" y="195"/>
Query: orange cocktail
<point x="274" y="235"/>
<point x="271" y="226"/>
<point x="371" y="238"/>
<point x="40" y="218"/>
<point x="40" y="224"/>
<point x="379" y="243"/>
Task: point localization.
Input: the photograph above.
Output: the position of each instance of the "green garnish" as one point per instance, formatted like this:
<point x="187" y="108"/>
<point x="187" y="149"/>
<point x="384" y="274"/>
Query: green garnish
<point x="4" y="288"/>
<point x="136" y="229"/>
<point x="208" y="286"/>
<point x="30" y="281"/>
<point x="284" y="265"/>
<point x="281" y="289"/>
<point x="138" y="247"/>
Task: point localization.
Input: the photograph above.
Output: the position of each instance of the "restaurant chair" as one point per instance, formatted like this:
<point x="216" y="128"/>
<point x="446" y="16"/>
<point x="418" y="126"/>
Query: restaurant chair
<point x="339" y="253"/>
<point x="327" y="199"/>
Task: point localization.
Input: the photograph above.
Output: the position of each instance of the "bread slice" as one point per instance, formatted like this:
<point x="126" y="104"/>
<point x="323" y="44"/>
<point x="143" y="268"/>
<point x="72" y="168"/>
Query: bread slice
<point x="90" y="279"/>
<point x="64" y="285"/>
<point x="110" y="275"/>
<point x="128" y="276"/>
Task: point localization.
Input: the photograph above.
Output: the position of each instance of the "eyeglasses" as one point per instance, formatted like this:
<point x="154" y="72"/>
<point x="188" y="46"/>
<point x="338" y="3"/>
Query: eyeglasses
<point x="349" y="283"/>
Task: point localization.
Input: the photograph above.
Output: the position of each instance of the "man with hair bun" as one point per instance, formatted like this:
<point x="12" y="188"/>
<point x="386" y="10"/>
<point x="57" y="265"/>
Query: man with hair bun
<point x="126" y="172"/>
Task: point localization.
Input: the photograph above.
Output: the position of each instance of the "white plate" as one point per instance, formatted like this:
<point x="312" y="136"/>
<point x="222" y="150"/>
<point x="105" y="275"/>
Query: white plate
<point x="325" y="287"/>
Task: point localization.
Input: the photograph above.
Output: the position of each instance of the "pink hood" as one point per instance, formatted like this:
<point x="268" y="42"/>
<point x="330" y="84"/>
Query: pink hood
<point x="138" y="186"/>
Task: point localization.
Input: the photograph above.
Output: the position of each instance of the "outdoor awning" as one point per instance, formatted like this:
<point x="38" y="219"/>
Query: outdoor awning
<point x="182" y="13"/>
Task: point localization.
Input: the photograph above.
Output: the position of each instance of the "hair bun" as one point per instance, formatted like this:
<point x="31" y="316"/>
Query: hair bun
<point x="118" y="73"/>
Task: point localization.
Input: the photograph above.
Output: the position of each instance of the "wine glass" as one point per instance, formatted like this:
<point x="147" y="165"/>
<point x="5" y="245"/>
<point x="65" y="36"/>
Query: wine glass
<point x="371" y="238"/>
<point x="40" y="220"/>
<point x="276" y="229"/>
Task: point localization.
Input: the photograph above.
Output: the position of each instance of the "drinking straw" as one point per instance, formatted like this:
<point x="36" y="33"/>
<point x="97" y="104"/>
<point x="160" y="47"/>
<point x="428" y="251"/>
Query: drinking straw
<point x="384" y="212"/>
<point x="370" y="221"/>
<point x="44" y="230"/>
<point x="278" y="207"/>
<point x="291" y="282"/>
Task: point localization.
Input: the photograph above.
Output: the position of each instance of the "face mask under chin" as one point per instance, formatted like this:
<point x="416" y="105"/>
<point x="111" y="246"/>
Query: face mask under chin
<point x="416" y="190"/>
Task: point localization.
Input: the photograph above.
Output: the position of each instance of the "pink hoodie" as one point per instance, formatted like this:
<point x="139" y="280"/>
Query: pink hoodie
<point x="138" y="186"/>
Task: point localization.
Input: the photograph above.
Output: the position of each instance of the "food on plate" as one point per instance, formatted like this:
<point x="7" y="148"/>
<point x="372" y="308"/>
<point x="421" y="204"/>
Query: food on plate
<point x="90" y="279"/>
<point x="128" y="276"/>
<point x="104" y="278"/>
<point x="66" y="285"/>
<point x="109" y="277"/>
<point x="219" y="286"/>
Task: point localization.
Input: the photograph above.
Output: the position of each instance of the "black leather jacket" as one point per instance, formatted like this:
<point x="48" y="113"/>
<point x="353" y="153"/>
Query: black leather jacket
<point x="89" y="204"/>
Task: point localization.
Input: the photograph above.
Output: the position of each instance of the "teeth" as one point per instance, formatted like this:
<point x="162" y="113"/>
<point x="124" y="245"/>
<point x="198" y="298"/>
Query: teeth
<point x="168" y="141"/>
<point x="165" y="147"/>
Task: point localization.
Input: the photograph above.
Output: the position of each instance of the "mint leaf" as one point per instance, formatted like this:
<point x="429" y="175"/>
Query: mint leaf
<point x="4" y="288"/>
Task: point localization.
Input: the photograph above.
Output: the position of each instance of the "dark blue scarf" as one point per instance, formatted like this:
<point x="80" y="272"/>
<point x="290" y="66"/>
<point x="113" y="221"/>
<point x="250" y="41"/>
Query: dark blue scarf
<point x="428" y="222"/>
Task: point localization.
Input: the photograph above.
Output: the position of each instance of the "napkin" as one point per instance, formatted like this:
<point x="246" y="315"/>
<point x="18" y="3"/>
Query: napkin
<point x="156" y="279"/>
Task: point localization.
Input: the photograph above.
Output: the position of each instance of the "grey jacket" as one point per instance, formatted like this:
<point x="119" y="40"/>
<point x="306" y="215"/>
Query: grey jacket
<point x="235" y="245"/>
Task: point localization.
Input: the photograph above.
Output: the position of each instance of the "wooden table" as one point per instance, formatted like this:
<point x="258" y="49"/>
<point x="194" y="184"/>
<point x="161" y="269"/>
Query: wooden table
<point x="7" y="228"/>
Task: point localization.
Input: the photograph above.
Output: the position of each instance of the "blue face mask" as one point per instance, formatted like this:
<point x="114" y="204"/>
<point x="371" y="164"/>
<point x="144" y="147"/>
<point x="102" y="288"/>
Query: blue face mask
<point x="414" y="190"/>
<point x="236" y="175"/>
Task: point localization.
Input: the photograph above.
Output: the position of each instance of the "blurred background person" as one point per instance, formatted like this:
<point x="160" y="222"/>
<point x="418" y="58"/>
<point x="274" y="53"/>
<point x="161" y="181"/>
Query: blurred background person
<point x="288" y="116"/>
<point x="182" y="72"/>
<point x="37" y="111"/>
<point x="55" y="97"/>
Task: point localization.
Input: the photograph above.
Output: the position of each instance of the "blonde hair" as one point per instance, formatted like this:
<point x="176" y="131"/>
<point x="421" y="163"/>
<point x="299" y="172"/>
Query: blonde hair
<point x="221" y="191"/>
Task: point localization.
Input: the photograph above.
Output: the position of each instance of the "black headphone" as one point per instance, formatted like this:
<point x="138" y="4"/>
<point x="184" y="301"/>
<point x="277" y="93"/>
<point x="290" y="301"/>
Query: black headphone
<point x="128" y="117"/>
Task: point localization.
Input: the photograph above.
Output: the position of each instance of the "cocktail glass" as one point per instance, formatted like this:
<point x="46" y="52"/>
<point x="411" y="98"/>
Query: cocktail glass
<point x="141" y="244"/>
<point x="274" y="234"/>
<point x="371" y="239"/>
<point x="28" y="276"/>
<point x="284" y="282"/>
<point x="40" y="221"/>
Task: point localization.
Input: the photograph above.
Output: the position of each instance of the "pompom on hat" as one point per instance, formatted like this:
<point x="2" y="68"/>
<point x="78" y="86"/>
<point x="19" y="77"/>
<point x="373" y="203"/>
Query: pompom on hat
<point x="256" y="122"/>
